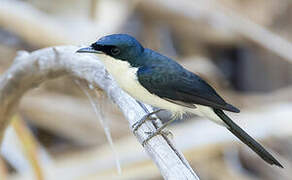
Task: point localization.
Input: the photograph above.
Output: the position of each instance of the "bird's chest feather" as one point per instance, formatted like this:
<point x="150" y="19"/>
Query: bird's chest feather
<point x="122" y="72"/>
<point x="126" y="77"/>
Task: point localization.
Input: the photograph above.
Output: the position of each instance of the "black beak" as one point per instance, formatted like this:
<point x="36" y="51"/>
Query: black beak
<point x="89" y="50"/>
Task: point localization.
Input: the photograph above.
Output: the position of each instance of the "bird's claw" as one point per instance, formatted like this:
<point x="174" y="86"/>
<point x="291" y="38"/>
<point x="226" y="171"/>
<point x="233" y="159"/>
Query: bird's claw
<point x="159" y="131"/>
<point x="167" y="133"/>
<point x="136" y="125"/>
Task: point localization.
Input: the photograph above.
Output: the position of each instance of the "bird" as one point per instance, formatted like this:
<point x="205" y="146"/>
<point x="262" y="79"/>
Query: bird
<point x="157" y="80"/>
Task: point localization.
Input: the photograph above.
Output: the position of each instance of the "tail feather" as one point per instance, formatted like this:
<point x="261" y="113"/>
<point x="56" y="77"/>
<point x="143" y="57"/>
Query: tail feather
<point x="247" y="139"/>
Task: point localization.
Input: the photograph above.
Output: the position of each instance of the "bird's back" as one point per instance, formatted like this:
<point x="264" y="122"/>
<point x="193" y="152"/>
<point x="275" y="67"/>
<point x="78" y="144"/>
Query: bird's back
<point x="168" y="79"/>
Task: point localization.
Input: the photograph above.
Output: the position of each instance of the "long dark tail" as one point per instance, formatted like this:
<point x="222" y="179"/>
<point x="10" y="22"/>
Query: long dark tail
<point x="247" y="139"/>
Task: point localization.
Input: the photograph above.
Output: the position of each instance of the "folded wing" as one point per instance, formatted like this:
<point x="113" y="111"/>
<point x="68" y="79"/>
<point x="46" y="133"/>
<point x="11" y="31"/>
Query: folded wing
<point x="174" y="83"/>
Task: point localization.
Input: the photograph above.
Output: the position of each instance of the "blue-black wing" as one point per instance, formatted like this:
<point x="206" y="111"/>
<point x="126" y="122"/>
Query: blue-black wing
<point x="174" y="83"/>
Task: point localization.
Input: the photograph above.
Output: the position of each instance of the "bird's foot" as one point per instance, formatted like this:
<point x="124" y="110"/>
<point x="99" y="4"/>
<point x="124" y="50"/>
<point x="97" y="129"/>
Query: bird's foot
<point x="159" y="131"/>
<point x="136" y="126"/>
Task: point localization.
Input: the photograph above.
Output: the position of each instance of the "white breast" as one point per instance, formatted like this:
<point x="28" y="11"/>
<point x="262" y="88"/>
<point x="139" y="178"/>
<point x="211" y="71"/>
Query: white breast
<point x="126" y="77"/>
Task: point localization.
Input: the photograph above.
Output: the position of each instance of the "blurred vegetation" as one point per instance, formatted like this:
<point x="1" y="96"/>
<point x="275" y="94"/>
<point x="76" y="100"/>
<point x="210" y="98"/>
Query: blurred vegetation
<point x="242" y="47"/>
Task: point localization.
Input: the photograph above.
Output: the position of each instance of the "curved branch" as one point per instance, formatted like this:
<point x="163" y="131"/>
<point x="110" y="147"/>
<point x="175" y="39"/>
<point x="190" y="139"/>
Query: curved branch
<point x="31" y="69"/>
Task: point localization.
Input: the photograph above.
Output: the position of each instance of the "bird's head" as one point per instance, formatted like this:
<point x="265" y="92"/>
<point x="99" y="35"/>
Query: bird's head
<point x="119" y="46"/>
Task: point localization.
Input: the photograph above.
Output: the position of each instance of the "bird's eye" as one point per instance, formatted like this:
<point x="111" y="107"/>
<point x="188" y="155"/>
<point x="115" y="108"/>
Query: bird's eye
<point x="115" y="51"/>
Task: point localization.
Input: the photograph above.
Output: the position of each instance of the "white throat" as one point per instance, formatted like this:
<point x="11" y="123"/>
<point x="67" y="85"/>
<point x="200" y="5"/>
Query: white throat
<point x="121" y="71"/>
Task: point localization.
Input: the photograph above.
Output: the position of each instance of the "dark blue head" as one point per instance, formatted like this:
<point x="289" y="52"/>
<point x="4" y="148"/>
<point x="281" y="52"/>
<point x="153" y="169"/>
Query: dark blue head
<point x="119" y="46"/>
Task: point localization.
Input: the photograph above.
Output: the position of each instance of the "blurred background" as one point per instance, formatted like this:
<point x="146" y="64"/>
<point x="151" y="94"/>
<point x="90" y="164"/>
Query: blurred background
<point x="242" y="47"/>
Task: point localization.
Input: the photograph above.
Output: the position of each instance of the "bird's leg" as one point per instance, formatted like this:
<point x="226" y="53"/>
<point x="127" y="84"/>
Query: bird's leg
<point x="144" y="119"/>
<point x="159" y="131"/>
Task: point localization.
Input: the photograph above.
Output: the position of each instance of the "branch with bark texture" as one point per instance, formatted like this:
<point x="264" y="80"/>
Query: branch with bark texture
<point x="31" y="69"/>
